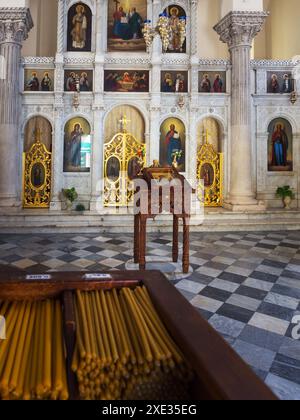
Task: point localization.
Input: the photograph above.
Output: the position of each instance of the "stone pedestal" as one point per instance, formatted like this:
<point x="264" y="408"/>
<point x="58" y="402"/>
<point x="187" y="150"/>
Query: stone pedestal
<point x="238" y="30"/>
<point x="15" y="23"/>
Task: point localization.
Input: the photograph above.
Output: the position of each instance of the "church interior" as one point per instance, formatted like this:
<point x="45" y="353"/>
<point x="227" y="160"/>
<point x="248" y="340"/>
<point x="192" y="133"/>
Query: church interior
<point x="149" y="200"/>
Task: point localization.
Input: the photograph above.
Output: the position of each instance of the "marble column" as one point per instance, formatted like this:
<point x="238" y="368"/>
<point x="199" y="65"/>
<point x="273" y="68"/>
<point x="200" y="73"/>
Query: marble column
<point x="15" y="23"/>
<point x="57" y="143"/>
<point x="238" y="29"/>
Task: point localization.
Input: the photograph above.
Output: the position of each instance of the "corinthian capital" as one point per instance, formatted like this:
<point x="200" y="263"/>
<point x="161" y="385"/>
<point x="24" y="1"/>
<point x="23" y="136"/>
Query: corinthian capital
<point x="15" y="24"/>
<point x="240" y="28"/>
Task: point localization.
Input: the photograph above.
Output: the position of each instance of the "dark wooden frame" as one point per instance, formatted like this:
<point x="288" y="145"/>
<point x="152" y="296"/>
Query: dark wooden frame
<point x="221" y="373"/>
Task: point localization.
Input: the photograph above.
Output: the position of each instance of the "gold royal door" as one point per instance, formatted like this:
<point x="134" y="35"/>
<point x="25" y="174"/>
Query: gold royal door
<point x="121" y="155"/>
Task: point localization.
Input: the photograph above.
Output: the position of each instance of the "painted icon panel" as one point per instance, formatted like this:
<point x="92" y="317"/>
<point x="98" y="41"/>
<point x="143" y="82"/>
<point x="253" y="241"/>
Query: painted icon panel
<point x="280" y="82"/>
<point x="175" y="14"/>
<point x="77" y="146"/>
<point x="79" y="28"/>
<point x="212" y="82"/>
<point x="172" y="143"/>
<point x="280" y="146"/>
<point x="126" y="81"/>
<point x="174" y="81"/>
<point x="125" y="23"/>
<point x="38" y="80"/>
<point x="81" y="78"/>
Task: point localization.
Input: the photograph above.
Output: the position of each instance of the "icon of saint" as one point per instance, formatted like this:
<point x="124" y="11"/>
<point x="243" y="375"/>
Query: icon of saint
<point x="280" y="145"/>
<point x="79" y="30"/>
<point x="173" y="143"/>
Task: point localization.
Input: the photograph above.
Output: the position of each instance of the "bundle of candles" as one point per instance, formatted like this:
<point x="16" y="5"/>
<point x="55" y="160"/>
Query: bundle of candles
<point x="32" y="358"/>
<point x="123" y="351"/>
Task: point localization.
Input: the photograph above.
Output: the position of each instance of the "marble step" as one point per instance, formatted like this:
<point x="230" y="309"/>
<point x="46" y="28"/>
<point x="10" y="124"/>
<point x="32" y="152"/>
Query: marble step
<point x="220" y="220"/>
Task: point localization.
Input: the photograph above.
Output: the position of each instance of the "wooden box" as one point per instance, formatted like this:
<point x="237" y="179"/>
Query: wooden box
<point x="220" y="373"/>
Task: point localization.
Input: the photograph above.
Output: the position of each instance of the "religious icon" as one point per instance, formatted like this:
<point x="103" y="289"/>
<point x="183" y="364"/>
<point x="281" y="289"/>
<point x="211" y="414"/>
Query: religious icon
<point x="79" y="28"/>
<point x="70" y="85"/>
<point x="38" y="175"/>
<point x="46" y="84"/>
<point x="84" y="82"/>
<point x="174" y="82"/>
<point x="206" y="84"/>
<point x="211" y="82"/>
<point x="175" y="13"/>
<point x="79" y="79"/>
<point x="77" y="153"/>
<point x="280" y="146"/>
<point x="113" y="168"/>
<point x="207" y="175"/>
<point x="287" y="84"/>
<point x="38" y="80"/>
<point x="280" y="82"/>
<point x="33" y="84"/>
<point x="167" y="83"/>
<point x="125" y="23"/>
<point x="218" y="84"/>
<point x="126" y="81"/>
<point x="172" y="144"/>
<point x="274" y="84"/>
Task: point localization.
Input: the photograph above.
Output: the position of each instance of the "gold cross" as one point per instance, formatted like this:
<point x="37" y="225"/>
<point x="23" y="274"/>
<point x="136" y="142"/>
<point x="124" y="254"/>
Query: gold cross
<point x="124" y="122"/>
<point x="38" y="135"/>
<point x="206" y="135"/>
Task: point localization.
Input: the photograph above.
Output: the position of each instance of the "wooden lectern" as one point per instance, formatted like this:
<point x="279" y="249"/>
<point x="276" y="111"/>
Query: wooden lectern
<point x="163" y="187"/>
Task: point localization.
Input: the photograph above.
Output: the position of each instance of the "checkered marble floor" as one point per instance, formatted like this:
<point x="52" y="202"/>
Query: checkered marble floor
<point x="247" y="285"/>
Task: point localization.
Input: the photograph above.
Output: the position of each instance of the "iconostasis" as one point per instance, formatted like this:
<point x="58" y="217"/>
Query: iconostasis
<point x="106" y="69"/>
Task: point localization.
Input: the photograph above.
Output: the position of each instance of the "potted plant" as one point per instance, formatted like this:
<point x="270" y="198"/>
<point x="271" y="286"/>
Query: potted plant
<point x="70" y="196"/>
<point x="80" y="208"/>
<point x="287" y="196"/>
<point x="176" y="158"/>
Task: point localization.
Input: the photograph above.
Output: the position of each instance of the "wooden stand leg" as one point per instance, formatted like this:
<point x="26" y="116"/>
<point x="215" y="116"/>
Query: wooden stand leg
<point x="136" y="238"/>
<point x="186" y="245"/>
<point x="175" y="238"/>
<point x="143" y="231"/>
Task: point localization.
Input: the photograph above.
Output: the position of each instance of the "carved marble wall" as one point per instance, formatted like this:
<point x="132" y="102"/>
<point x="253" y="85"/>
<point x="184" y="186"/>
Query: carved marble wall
<point x="267" y="108"/>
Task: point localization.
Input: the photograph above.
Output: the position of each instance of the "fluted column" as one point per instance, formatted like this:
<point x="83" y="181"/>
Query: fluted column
<point x="15" y="23"/>
<point x="238" y="29"/>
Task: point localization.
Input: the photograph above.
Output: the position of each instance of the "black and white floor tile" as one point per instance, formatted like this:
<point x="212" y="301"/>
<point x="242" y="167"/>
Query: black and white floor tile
<point x="246" y="284"/>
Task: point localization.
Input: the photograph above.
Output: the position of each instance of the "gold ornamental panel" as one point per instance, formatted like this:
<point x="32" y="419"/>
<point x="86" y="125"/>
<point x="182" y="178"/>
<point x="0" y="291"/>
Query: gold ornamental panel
<point x="210" y="172"/>
<point x="120" y="157"/>
<point x="37" y="176"/>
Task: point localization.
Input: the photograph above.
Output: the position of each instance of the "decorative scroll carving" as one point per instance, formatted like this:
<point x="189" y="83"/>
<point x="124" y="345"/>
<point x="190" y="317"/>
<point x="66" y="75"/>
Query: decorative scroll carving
<point x="15" y="24"/>
<point x="27" y="61"/>
<point x="274" y="63"/>
<point x="240" y="28"/>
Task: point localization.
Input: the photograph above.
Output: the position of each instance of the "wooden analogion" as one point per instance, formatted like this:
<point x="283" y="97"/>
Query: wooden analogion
<point x="165" y="190"/>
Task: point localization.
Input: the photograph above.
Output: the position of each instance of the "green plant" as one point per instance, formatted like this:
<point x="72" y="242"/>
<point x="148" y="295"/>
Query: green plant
<point x="80" y="207"/>
<point x="177" y="154"/>
<point x="283" y="192"/>
<point x="70" y="194"/>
